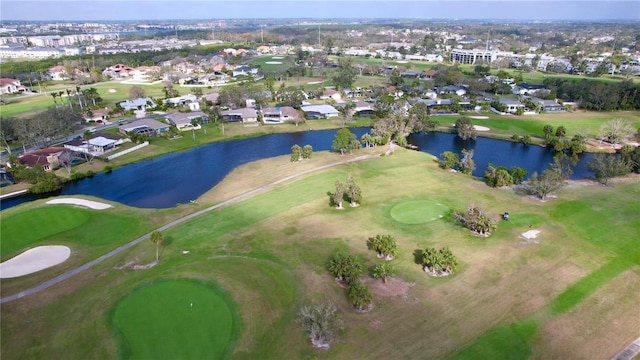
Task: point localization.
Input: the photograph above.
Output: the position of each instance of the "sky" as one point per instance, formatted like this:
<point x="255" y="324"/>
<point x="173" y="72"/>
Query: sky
<point x="73" y="10"/>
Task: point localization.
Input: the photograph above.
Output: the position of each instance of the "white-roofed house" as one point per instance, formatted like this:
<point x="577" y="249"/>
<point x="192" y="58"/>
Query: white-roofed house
<point x="321" y="111"/>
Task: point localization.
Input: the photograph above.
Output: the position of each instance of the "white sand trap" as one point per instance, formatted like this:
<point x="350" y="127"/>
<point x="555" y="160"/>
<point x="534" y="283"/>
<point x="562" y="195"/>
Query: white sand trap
<point x="531" y="234"/>
<point x="273" y="62"/>
<point x="402" y="62"/>
<point x="481" y="128"/>
<point x="314" y="82"/>
<point x="33" y="260"/>
<point x="81" y="202"/>
<point x="112" y="90"/>
<point x="479" y="117"/>
<point x="277" y="57"/>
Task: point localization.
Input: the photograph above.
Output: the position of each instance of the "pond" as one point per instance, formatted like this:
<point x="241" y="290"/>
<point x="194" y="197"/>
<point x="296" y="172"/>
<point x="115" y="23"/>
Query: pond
<point x="178" y="178"/>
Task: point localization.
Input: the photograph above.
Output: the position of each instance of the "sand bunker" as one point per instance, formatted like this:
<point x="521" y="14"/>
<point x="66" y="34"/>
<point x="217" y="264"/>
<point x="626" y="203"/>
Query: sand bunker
<point x="479" y="117"/>
<point x="112" y="90"/>
<point x="481" y="128"/>
<point x="273" y="62"/>
<point x="81" y="202"/>
<point x="529" y="237"/>
<point x="531" y="234"/>
<point x="33" y="260"/>
<point x="314" y="82"/>
<point x="402" y="62"/>
<point x="277" y="57"/>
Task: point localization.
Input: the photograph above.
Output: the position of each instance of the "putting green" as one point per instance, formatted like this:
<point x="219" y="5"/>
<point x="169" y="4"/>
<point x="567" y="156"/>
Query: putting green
<point x="418" y="211"/>
<point x="176" y="319"/>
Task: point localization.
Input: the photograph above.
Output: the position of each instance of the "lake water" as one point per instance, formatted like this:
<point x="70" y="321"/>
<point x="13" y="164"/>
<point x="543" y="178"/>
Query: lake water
<point x="180" y="177"/>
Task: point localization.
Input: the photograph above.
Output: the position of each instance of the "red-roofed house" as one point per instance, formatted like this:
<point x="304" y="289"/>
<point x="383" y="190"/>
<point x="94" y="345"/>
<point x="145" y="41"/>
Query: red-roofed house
<point x="58" y="73"/>
<point x="47" y="158"/>
<point x="11" y="86"/>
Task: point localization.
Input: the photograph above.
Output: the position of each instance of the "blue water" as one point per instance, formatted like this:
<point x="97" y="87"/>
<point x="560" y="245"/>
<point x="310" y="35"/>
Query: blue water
<point x="177" y="178"/>
<point x="498" y="152"/>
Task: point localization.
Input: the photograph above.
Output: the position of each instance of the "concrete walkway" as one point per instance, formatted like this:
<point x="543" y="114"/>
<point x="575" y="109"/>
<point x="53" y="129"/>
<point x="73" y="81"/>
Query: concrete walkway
<point x="128" y="245"/>
<point x="629" y="352"/>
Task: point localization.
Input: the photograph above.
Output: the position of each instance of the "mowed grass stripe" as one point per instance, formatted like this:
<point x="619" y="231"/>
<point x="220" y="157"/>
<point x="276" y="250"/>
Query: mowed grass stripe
<point x="506" y="343"/>
<point x="586" y="286"/>
<point x="177" y="319"/>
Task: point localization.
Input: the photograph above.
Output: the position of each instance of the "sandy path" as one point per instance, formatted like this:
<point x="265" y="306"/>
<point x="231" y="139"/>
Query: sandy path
<point x="80" y="202"/>
<point x="34" y="260"/>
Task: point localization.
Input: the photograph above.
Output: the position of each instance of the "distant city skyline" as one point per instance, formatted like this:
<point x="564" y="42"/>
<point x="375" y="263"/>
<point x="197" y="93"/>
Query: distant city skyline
<point x="105" y="10"/>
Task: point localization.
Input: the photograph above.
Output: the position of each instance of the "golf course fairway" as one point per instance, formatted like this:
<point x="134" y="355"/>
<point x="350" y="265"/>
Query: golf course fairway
<point x="183" y="319"/>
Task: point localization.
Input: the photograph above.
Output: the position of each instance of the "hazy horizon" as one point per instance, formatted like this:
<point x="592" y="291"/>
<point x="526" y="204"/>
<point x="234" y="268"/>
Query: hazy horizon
<point x="145" y="10"/>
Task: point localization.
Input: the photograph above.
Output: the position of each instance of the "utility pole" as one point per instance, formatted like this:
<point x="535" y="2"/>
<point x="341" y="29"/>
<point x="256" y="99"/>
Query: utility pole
<point x="261" y="36"/>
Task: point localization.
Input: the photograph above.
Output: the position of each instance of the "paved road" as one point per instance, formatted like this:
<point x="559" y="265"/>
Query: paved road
<point x="85" y="266"/>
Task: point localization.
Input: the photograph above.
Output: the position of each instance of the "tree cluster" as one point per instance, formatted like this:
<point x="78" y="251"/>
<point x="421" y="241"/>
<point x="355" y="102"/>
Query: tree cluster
<point x="476" y="220"/>
<point x="42" y="129"/>
<point x="465" y="128"/>
<point x="348" y="269"/>
<point x="385" y="246"/>
<point x="301" y="153"/>
<point x="345" y="141"/>
<point x="439" y="262"/>
<point x="607" y="166"/>
<point x="498" y="176"/>
<point x="350" y="192"/>
<point x="451" y="160"/>
<point x="597" y="95"/>
<point x="544" y="184"/>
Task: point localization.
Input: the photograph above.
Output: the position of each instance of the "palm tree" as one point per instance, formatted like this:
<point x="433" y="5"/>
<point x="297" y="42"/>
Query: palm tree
<point x="54" y="95"/>
<point x="156" y="239"/>
<point x="78" y="92"/>
<point x="383" y="271"/>
<point x="359" y="295"/>
<point x="68" y="97"/>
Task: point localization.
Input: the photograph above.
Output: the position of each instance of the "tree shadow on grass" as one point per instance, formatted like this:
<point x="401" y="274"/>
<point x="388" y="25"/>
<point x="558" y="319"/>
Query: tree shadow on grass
<point x="417" y="256"/>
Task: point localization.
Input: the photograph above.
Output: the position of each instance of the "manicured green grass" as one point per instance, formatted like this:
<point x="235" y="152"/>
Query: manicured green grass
<point x="23" y="230"/>
<point x="55" y="224"/>
<point x="175" y="319"/>
<point x="509" y="342"/>
<point x="418" y="211"/>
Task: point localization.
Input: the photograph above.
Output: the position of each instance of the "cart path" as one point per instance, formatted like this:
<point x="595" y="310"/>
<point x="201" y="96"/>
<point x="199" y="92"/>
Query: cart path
<point x="126" y="246"/>
<point x="629" y="352"/>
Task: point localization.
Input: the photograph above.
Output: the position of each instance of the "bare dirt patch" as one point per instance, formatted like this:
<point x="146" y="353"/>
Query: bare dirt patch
<point x="394" y="287"/>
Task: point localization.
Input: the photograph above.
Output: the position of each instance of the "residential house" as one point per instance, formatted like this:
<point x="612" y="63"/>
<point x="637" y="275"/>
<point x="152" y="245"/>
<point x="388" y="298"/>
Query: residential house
<point x="549" y="105"/>
<point x="280" y="114"/>
<point x="363" y="108"/>
<point x="244" y="70"/>
<point x="145" y="126"/>
<point x="244" y="115"/>
<point x="144" y="73"/>
<point x="322" y="111"/>
<point x="97" y="115"/>
<point x="99" y="143"/>
<point x="58" y="73"/>
<point x="512" y="105"/>
<point x="429" y="74"/>
<point x="529" y="89"/>
<point x="137" y="104"/>
<point x="189" y="100"/>
<point x="452" y="89"/>
<point x="184" y="121"/>
<point x="47" y="158"/>
<point x="411" y="74"/>
<point x="11" y="86"/>
<point x="329" y="93"/>
<point x="117" y="71"/>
